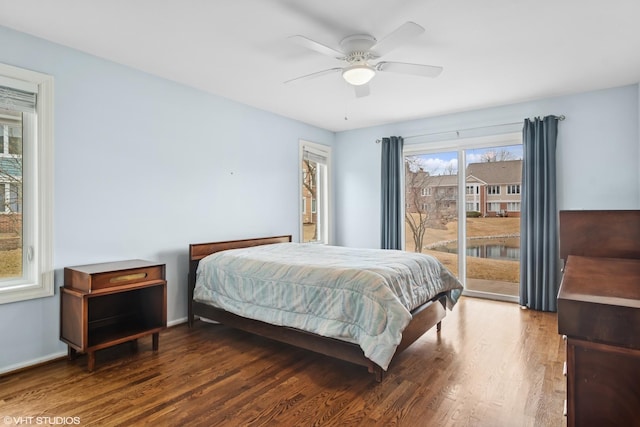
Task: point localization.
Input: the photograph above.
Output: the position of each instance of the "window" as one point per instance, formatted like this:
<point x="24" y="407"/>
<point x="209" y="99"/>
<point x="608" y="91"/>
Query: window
<point x="10" y="189"/>
<point x="494" y="207"/>
<point x="473" y="189"/>
<point x="315" y="161"/>
<point x="493" y="189"/>
<point x="26" y="184"/>
<point x="426" y="192"/>
<point x="513" y="189"/>
<point x="513" y="206"/>
<point x="494" y="251"/>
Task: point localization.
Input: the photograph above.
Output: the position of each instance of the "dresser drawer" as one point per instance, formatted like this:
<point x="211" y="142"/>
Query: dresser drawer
<point x="96" y="277"/>
<point x="599" y="301"/>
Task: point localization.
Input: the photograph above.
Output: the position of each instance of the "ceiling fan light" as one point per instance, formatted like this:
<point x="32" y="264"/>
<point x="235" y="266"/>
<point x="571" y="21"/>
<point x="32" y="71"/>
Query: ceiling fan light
<point x="358" y="74"/>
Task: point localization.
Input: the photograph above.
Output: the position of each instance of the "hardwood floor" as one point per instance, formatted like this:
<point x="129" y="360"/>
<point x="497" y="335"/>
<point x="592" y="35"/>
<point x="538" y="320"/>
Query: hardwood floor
<point x="492" y="364"/>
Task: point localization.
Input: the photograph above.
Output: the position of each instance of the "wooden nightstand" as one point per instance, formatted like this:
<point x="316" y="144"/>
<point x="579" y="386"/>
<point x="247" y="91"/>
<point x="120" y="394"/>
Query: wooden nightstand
<point x="102" y="305"/>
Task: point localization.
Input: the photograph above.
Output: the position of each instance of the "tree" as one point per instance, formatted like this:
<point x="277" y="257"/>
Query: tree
<point x="416" y="216"/>
<point x="419" y="211"/>
<point x="450" y="169"/>
<point x="497" y="156"/>
<point x="425" y="196"/>
<point x="309" y="182"/>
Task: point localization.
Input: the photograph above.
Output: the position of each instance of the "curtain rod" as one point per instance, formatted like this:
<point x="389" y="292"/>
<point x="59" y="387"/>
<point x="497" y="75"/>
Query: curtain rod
<point x="560" y="117"/>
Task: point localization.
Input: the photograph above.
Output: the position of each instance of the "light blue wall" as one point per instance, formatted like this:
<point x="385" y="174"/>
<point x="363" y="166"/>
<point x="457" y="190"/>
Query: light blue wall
<point x="598" y="156"/>
<point x="143" y="167"/>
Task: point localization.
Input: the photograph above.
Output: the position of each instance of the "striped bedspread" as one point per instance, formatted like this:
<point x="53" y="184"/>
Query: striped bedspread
<point x="363" y="296"/>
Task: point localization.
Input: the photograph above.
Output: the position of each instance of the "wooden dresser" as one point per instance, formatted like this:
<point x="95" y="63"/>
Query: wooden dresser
<point x="599" y="313"/>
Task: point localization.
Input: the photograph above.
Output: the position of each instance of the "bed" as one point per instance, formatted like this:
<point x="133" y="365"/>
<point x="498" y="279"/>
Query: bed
<point x="358" y="305"/>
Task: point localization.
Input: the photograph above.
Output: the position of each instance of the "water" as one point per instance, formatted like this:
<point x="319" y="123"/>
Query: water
<point x="487" y="250"/>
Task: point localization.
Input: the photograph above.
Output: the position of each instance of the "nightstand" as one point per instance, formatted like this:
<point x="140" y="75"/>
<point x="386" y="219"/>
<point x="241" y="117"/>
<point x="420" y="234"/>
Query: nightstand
<point x="102" y="305"/>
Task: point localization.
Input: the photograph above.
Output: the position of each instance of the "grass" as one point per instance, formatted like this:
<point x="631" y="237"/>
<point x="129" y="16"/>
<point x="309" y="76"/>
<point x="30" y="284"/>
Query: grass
<point x="11" y="263"/>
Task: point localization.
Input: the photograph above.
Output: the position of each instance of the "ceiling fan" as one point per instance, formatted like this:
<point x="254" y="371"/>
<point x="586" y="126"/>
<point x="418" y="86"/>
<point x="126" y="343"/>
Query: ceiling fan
<point x="360" y="49"/>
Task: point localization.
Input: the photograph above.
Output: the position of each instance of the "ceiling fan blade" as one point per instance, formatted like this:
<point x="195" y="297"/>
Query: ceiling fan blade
<point x="362" y="90"/>
<point x="400" y="35"/>
<point x="318" y="47"/>
<point x="314" y="75"/>
<point x="405" y="68"/>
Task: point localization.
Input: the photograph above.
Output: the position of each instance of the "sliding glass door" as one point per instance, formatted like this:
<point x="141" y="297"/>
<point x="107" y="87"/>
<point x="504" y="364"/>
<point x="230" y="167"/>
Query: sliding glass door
<point x="483" y="249"/>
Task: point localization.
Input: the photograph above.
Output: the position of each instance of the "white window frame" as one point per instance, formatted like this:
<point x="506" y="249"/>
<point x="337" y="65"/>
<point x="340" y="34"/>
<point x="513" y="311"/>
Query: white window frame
<point x="493" y="206"/>
<point x="472" y="206"/>
<point x="493" y="190"/>
<point x="513" y="189"/>
<point x="37" y="280"/>
<point x="323" y="199"/>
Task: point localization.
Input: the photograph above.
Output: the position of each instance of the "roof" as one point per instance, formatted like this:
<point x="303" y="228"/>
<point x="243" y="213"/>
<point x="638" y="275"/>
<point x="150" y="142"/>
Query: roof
<point x="505" y="172"/>
<point x="441" y="180"/>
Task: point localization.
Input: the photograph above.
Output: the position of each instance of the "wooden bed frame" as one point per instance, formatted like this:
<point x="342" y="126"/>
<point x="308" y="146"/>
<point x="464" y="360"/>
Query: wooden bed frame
<point x="425" y="316"/>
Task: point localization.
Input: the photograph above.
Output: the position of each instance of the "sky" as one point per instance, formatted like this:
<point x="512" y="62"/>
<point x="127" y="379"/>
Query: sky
<point x="446" y="162"/>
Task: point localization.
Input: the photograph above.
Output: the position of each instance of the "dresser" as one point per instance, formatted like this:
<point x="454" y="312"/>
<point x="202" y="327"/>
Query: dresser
<point x="599" y="313"/>
<point x="102" y="305"/>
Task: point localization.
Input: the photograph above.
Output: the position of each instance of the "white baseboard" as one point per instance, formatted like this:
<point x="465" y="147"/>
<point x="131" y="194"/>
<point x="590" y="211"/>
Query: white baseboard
<point x="32" y="362"/>
<point x="53" y="356"/>
<point x="177" y="322"/>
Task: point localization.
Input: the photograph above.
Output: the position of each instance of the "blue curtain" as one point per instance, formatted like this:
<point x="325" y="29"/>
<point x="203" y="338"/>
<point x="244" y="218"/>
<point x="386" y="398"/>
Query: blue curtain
<point x="391" y="214"/>
<point x="539" y="253"/>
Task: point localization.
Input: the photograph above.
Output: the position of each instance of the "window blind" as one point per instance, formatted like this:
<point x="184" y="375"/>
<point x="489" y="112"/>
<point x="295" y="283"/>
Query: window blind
<point x="314" y="155"/>
<point x="17" y="100"/>
<point x="10" y="118"/>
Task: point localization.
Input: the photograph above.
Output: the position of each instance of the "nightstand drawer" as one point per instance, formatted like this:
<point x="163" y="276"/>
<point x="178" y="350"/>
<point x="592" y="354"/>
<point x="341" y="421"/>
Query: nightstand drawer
<point x="95" y="277"/>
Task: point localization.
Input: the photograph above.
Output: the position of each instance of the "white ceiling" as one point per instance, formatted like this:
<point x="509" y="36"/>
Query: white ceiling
<point x="493" y="52"/>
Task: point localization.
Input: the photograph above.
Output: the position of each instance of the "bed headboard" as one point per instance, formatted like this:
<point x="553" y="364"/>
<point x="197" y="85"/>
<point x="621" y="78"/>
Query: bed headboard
<point x="600" y="233"/>
<point x="197" y="251"/>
